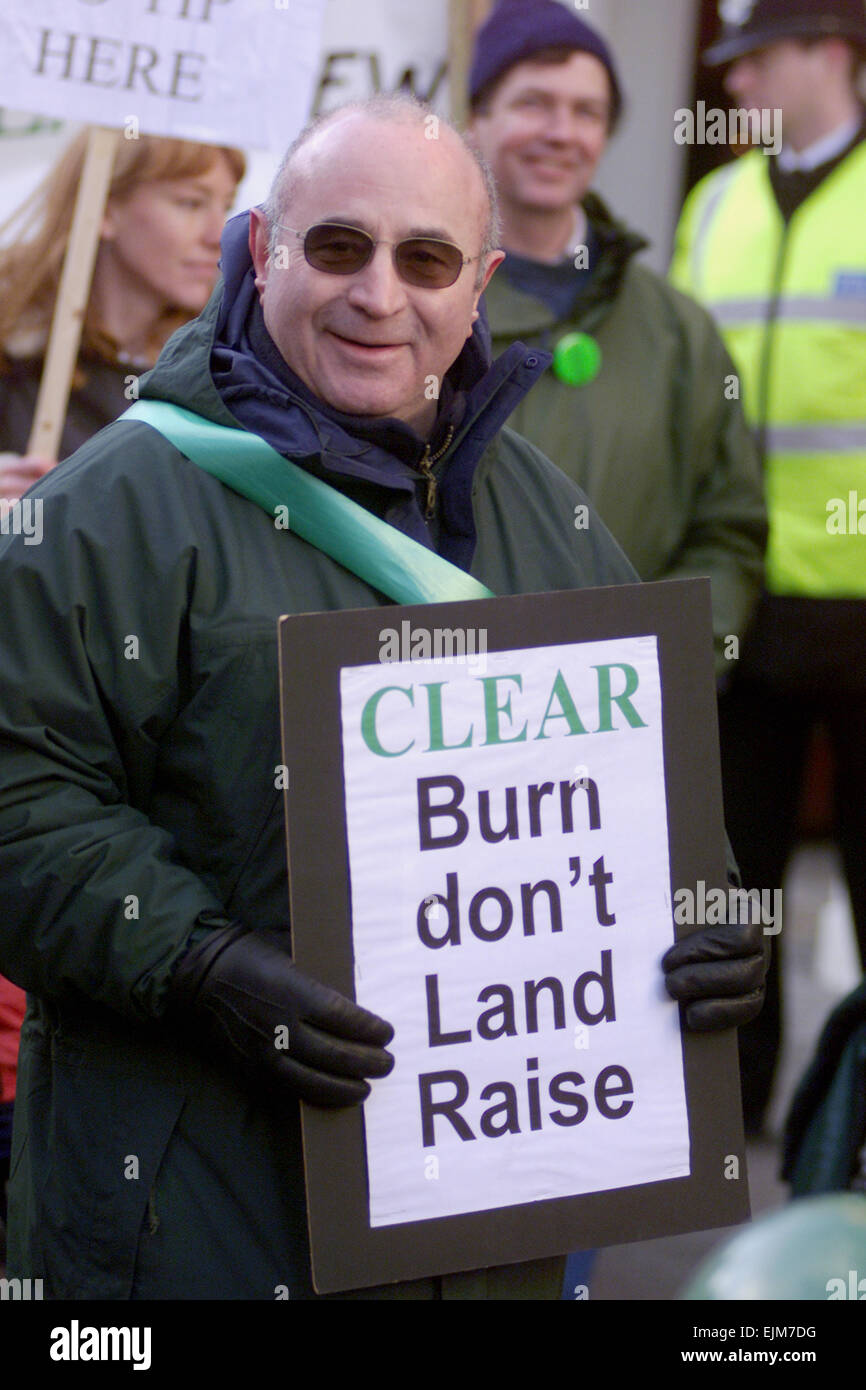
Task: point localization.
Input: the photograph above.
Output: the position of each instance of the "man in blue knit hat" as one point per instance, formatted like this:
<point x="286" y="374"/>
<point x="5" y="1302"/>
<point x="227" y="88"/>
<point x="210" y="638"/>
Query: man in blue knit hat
<point x="641" y="405"/>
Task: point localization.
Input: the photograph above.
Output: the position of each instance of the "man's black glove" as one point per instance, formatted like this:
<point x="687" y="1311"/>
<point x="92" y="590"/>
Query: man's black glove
<point x="718" y="975"/>
<point x="287" y="1031"/>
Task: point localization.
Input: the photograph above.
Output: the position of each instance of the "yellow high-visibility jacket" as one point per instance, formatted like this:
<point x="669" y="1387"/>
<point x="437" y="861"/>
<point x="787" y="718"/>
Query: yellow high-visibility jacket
<point x="791" y="304"/>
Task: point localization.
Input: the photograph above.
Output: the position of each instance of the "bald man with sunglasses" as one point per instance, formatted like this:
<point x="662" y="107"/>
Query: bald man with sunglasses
<point x="141" y="831"/>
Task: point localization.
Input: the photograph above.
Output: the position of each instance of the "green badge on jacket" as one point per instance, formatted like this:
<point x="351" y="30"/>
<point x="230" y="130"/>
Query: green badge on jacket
<point x="577" y="359"/>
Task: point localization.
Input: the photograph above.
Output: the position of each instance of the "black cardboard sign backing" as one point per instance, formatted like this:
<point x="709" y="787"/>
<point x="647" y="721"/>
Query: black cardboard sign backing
<point x="346" y="1252"/>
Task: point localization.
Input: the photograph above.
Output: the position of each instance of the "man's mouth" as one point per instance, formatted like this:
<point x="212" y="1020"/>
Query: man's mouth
<point x="551" y="166"/>
<point x="365" y="345"/>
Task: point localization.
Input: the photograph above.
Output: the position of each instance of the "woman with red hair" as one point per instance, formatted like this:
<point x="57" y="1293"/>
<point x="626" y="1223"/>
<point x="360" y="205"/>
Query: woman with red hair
<point x="156" y="265"/>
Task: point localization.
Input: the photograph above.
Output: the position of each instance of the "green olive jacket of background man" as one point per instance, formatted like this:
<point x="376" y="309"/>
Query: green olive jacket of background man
<point x="139" y="739"/>
<point x="658" y="440"/>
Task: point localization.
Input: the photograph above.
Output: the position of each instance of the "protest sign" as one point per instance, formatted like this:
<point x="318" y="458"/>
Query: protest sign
<point x="236" y="72"/>
<point x="526" y="998"/>
<point x="384" y="46"/>
<point x="483" y="850"/>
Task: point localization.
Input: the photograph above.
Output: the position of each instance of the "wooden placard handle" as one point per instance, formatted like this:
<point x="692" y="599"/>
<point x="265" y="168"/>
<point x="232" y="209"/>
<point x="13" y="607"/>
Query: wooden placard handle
<point x="73" y="293"/>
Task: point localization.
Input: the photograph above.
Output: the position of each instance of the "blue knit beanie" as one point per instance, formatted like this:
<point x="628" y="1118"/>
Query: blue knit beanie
<point x="519" y="28"/>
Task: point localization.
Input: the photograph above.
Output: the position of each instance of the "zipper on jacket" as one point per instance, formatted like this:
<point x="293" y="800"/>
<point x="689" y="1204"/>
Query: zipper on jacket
<point x="425" y="465"/>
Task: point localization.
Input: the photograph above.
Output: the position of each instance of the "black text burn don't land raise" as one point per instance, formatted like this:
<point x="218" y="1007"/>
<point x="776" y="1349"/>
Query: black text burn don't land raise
<point x="418" y="718"/>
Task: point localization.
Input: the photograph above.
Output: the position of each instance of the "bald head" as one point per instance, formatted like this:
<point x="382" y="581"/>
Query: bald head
<point x="341" y="134"/>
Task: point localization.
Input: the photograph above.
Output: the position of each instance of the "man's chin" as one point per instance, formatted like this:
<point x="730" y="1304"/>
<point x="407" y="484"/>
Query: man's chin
<point x="370" y="403"/>
<point x="552" y="197"/>
<point x="551" y="194"/>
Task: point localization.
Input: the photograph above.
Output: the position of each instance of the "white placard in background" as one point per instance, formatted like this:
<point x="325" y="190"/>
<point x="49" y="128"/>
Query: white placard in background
<point x="237" y="72"/>
<point x="371" y="46"/>
<point x="507" y="1090"/>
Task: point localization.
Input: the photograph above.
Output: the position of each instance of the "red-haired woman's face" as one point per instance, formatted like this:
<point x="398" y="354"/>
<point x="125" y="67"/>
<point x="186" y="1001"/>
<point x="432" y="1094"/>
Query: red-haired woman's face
<point x="163" y="240"/>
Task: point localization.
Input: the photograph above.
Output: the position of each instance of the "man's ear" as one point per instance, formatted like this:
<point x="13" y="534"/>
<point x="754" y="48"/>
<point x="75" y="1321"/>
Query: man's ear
<point x="494" y="260"/>
<point x="259" y="238"/>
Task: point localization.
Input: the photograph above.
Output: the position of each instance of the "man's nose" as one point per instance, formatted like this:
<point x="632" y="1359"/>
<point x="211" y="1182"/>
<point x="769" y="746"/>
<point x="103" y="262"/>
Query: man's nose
<point x="563" y="127"/>
<point x="378" y="289"/>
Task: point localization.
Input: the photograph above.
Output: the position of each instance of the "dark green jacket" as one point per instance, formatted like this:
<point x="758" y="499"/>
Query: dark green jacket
<point x="100" y="398"/>
<point x="665" y="457"/>
<point x="139" y="739"/>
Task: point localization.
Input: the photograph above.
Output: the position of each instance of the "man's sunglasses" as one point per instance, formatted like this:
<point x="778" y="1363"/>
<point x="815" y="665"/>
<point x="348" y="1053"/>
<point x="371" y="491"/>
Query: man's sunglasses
<point x="419" y="260"/>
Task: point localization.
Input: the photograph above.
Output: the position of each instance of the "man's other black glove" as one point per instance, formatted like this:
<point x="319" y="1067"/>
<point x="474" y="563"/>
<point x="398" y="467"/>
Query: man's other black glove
<point x="242" y="991"/>
<point x="718" y="975"/>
